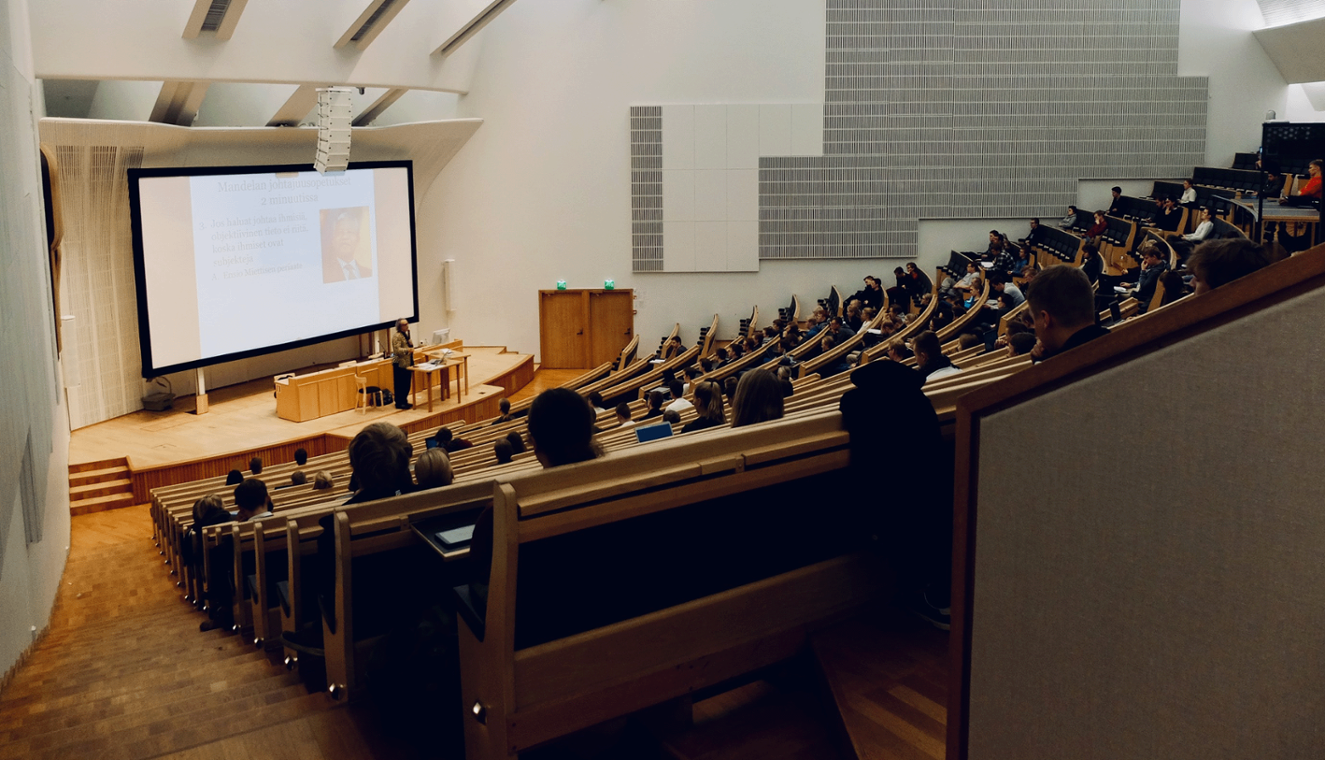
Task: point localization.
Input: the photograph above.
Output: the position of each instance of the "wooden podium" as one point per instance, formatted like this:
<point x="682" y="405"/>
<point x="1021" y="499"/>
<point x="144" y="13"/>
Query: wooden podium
<point x="300" y="398"/>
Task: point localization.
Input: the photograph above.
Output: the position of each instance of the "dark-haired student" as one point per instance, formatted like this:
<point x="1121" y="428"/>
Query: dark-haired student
<point x="1062" y="303"/>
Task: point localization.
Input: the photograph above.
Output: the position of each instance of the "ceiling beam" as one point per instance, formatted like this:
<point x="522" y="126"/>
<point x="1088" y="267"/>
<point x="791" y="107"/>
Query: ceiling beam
<point x="204" y="17"/>
<point x="381" y="104"/>
<point x="377" y="15"/>
<point x="178" y="102"/>
<point x="466" y="32"/>
<point x="302" y="101"/>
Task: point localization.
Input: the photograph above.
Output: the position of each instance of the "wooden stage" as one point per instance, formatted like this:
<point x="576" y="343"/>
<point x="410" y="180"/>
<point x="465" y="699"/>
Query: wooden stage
<point x="177" y="445"/>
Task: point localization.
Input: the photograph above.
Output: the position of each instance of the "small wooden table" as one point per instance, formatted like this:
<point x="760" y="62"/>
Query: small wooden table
<point x="458" y="361"/>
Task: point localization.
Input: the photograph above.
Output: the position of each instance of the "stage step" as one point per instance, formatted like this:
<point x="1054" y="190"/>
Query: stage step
<point x="98" y="476"/>
<point x="887" y="674"/>
<point x="98" y="486"/>
<point x="85" y="467"/>
<point x="101" y="503"/>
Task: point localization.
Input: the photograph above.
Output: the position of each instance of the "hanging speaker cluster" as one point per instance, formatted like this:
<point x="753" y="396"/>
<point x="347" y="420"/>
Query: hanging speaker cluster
<point x="335" y="111"/>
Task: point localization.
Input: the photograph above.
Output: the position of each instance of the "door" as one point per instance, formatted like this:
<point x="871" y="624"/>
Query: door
<point x="563" y="326"/>
<point x="611" y="324"/>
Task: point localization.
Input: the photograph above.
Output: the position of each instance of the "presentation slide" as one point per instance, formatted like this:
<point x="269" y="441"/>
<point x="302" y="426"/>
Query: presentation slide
<point x="235" y="264"/>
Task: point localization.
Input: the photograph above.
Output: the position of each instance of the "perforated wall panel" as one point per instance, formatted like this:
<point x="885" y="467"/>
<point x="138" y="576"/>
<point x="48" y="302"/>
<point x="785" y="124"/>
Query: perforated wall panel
<point x="963" y="108"/>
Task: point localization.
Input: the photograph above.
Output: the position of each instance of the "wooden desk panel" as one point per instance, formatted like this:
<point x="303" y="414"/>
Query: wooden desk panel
<point x="330" y="391"/>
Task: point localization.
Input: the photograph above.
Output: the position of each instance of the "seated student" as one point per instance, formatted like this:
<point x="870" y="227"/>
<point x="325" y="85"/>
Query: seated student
<point x="517" y="443"/>
<point x="706" y="365"/>
<point x="969" y="285"/>
<point x="1309" y="192"/>
<point x="623" y="415"/>
<point x="1188" y="193"/>
<point x="729" y="388"/>
<point x="1153" y="266"/>
<point x="899" y="292"/>
<point x="721" y="354"/>
<point x="1220" y="262"/>
<point x="918" y="284"/>
<point x="234" y="478"/>
<point x="207" y="511"/>
<point x="655" y="405"/>
<point x="1063" y="307"/>
<point x="505" y="406"/>
<point x="1021" y="259"/>
<point x="930" y="361"/>
<point x="300" y="457"/>
<point x="447" y="441"/>
<point x="671" y="349"/>
<point x="433" y="469"/>
<point x="899" y="352"/>
<point x="839" y="331"/>
<point x="1092" y="264"/>
<point x="680" y="403"/>
<point x="1115" y="202"/>
<point x="866" y="317"/>
<point x="871" y="294"/>
<point x="671" y="417"/>
<point x="1021" y="344"/>
<point x="967" y="340"/>
<point x="1174" y="287"/>
<point x="1002" y="284"/>
<point x="692" y="373"/>
<point x="596" y="401"/>
<point x="1100" y="226"/>
<point x="818" y="321"/>
<point x="708" y="403"/>
<point x="502" y="449"/>
<point x="838" y="365"/>
<point x="758" y="398"/>
<point x="251" y="500"/>
<point x="1203" y="230"/>
<point x="298" y="478"/>
<point x="1169" y="215"/>
<point x="255" y="465"/>
<point x="853" y="320"/>
<point x="1069" y="221"/>
<point x="561" y="428"/>
<point x="736" y="348"/>
<point x="1005" y="259"/>
<point x="379" y="460"/>
<point x="1034" y="237"/>
<point x="322" y="480"/>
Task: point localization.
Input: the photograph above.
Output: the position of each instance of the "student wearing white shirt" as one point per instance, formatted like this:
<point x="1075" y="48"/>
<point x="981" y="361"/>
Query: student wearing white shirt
<point x="679" y="404"/>
<point x="623" y="415"/>
<point x="1203" y="230"/>
<point x="1188" y="192"/>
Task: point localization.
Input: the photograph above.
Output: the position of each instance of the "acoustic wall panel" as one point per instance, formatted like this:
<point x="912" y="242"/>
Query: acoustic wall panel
<point x="646" y="162"/>
<point x="962" y="108"/>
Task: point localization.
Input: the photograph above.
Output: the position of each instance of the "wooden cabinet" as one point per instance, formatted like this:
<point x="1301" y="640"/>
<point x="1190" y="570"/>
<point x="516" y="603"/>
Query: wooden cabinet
<point x="583" y="328"/>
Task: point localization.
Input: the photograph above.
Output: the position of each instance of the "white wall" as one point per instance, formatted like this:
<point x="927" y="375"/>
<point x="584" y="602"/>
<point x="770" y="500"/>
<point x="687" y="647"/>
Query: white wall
<point x="33" y="418"/>
<point x="542" y="192"/>
<point x="1216" y="40"/>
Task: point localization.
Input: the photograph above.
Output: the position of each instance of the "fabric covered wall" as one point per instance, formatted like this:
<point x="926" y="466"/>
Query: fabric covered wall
<point x="1154" y="588"/>
<point x="34" y="449"/>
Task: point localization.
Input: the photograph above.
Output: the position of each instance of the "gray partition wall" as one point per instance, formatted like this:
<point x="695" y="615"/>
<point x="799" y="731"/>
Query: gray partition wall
<point x="1149" y="577"/>
<point x="957" y="109"/>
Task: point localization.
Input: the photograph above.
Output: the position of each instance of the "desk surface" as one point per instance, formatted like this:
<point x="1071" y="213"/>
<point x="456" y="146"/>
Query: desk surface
<point x="1277" y="213"/>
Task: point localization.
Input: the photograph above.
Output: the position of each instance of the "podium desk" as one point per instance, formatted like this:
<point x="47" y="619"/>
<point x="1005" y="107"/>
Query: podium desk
<point x="300" y="398"/>
<point x="441" y="365"/>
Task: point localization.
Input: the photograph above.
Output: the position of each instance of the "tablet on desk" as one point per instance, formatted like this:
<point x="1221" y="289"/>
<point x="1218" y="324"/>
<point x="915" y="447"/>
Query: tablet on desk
<point x="455" y="537"/>
<point x="1119" y="289"/>
<point x="647" y="433"/>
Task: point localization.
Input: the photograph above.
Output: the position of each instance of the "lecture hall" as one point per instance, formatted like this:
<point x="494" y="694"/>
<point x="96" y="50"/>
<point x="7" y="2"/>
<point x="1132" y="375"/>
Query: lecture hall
<point x="635" y="380"/>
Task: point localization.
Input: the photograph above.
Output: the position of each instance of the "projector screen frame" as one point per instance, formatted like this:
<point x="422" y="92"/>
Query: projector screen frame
<point x="140" y="273"/>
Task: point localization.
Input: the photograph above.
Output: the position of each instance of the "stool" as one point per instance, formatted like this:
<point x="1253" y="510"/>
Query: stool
<point x="361" y="404"/>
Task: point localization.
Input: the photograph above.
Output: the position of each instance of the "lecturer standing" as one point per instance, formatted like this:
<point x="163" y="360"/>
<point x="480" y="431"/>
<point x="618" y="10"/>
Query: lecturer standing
<point x="402" y="358"/>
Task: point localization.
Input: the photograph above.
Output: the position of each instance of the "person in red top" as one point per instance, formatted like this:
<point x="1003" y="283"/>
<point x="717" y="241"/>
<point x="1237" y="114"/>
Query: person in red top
<point x="1098" y="228"/>
<point x="1311" y="191"/>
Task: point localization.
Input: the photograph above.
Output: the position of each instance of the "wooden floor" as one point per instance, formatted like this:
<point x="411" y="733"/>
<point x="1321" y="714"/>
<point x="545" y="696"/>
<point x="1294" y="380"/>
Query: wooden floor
<point x="244" y="413"/>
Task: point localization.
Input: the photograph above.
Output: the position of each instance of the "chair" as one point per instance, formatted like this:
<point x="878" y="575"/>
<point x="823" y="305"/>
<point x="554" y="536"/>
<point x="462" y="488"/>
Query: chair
<point x="361" y="403"/>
